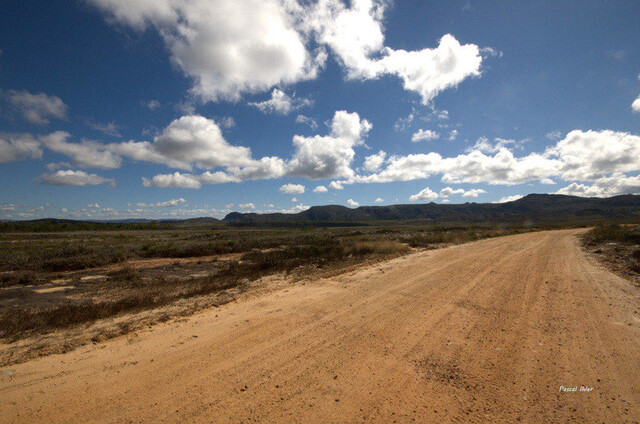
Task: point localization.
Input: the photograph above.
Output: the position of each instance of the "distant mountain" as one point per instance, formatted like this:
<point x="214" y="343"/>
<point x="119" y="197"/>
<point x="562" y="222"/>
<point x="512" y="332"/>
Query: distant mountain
<point x="536" y="208"/>
<point x="533" y="209"/>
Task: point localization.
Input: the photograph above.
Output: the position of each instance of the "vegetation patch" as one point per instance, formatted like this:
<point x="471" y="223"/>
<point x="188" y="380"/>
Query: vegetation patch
<point x="618" y="246"/>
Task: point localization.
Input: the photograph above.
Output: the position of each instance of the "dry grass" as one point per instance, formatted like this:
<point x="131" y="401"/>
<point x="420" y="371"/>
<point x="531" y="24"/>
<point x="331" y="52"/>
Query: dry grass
<point x="618" y="247"/>
<point x="85" y="297"/>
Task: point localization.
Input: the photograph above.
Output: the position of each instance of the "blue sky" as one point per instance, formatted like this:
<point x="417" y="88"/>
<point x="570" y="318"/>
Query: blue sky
<point x="115" y="109"/>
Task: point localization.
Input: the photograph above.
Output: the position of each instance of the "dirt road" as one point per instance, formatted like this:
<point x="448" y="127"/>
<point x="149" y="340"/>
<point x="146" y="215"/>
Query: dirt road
<point x="485" y="331"/>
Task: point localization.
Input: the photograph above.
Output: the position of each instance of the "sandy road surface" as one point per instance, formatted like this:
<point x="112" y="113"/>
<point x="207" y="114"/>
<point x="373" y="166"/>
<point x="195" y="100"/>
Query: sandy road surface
<point x="484" y="331"/>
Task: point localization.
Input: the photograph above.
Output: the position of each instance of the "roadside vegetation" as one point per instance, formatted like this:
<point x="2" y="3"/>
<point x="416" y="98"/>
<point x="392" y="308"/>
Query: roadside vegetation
<point x="52" y="281"/>
<point x="618" y="246"/>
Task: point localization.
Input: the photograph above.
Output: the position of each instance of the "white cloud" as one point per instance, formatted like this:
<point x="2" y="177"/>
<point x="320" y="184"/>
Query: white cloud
<point x="73" y="178"/>
<point x="265" y="168"/>
<point x="246" y="206"/>
<point x="37" y="108"/>
<point x="173" y="180"/>
<point x="188" y="141"/>
<point x="356" y="36"/>
<point x="281" y="103"/>
<point x="329" y="156"/>
<point x="301" y="119"/>
<point x="15" y="147"/>
<point x="292" y="188"/>
<point x="320" y="189"/>
<point x="484" y="145"/>
<point x="168" y="203"/>
<point x="453" y="135"/>
<point x="475" y="167"/>
<point x="636" y="105"/>
<point x="510" y="198"/>
<point x="427" y="135"/>
<point x="336" y="185"/>
<point x="247" y="46"/>
<point x="592" y="154"/>
<point x="87" y="154"/>
<point x="448" y="191"/>
<point x="217" y="177"/>
<point x="226" y="47"/>
<point x="613" y="185"/>
<point x="379" y="200"/>
<point x="374" y="162"/>
<point x="352" y="202"/>
<point x="424" y="195"/>
<point x="473" y="192"/>
<point x="580" y="156"/>
<point x="547" y="181"/>
<point x="94" y="205"/>
<point x="430" y="71"/>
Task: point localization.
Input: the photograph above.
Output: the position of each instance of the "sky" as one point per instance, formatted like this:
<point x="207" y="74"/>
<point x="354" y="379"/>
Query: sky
<point x="115" y="109"/>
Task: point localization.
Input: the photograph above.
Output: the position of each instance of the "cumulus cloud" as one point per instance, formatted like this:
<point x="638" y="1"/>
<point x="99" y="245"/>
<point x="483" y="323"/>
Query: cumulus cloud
<point x="37" y="108"/>
<point x="188" y="141"/>
<point x="86" y="154"/>
<point x="247" y="206"/>
<point x="475" y="192"/>
<point x="374" y="162"/>
<point x="247" y="46"/>
<point x="580" y="156"/>
<point x="226" y="47"/>
<point x="427" y="135"/>
<point x="355" y="36"/>
<point x="475" y="167"/>
<point x="484" y="145"/>
<point x="320" y="189"/>
<point x="430" y="71"/>
<point x="176" y="179"/>
<point x="510" y="198"/>
<point x="74" y="178"/>
<point x="425" y="195"/>
<point x="547" y="181"/>
<point x="448" y="191"/>
<point x="14" y="147"/>
<point x="292" y="188"/>
<point x="453" y="135"/>
<point x="168" y="203"/>
<point x="329" y="156"/>
<point x="589" y="155"/>
<point x="352" y="202"/>
<point x="336" y="185"/>
<point x="379" y="200"/>
<point x="281" y="103"/>
<point x="217" y="177"/>
<point x="612" y="185"/>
